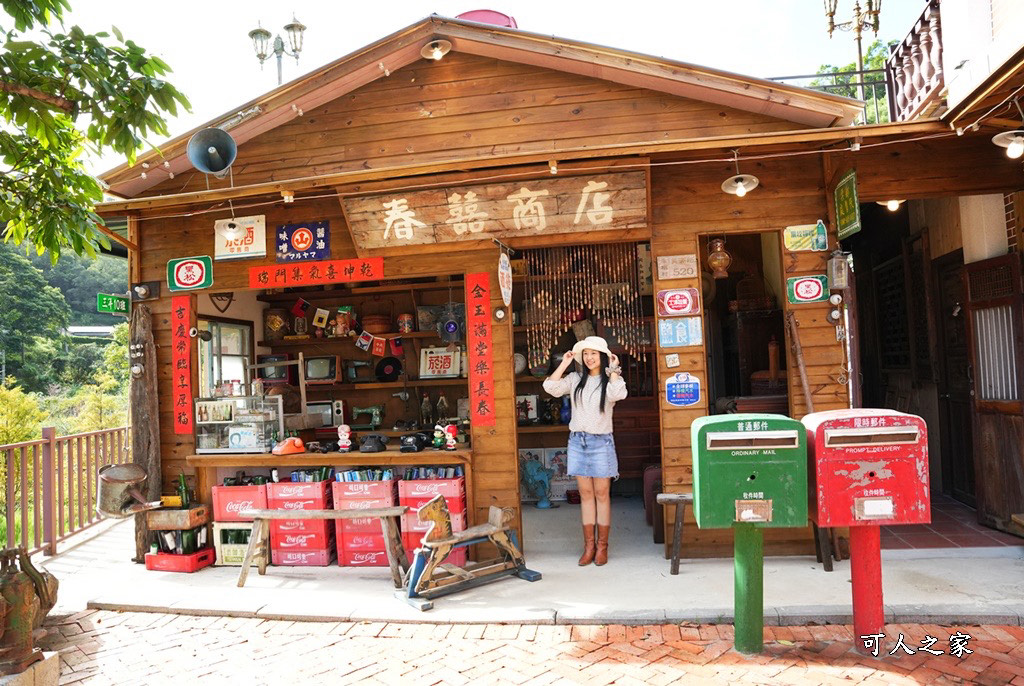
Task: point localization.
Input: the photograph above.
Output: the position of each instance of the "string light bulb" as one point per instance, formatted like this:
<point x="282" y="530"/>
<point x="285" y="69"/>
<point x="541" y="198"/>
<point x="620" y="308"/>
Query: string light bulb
<point x="739" y="184"/>
<point x="1013" y="141"/>
<point x="436" y="49"/>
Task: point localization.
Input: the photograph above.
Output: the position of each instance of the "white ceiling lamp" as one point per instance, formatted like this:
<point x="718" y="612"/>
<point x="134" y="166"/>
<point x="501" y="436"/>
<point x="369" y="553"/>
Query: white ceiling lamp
<point x="1013" y="141"/>
<point x="740" y="184"/>
<point x="891" y="205"/>
<point x="436" y="49"/>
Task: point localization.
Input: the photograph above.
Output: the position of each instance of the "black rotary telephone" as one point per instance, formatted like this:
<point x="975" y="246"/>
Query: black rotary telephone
<point x="414" y="442"/>
<point x="372" y="443"/>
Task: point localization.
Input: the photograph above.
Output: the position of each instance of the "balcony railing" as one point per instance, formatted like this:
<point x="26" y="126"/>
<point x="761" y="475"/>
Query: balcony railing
<point x="871" y="85"/>
<point x="915" y="68"/>
<point x="50" y="487"/>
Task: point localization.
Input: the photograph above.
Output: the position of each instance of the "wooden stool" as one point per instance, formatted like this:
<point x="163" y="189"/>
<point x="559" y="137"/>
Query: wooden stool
<point x="258" y="552"/>
<point x="679" y="500"/>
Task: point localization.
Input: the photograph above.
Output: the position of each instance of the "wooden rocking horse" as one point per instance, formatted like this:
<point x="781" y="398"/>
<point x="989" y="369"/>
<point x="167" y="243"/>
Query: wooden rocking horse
<point x="430" y="577"/>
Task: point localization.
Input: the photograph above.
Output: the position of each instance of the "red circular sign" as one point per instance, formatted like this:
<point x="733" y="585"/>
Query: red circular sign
<point x="679" y="302"/>
<point x="807" y="289"/>
<point x="189" y="273"/>
<point x="302" y="239"/>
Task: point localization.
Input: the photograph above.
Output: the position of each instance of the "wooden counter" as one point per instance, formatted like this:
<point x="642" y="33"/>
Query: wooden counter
<point x="206" y="465"/>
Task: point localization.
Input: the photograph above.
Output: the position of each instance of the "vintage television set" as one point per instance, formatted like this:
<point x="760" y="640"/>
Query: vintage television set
<point x="322" y="369"/>
<point x="272" y="376"/>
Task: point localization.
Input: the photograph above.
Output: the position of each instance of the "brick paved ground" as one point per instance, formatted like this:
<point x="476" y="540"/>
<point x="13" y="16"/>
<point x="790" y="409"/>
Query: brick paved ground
<point x="100" y="647"/>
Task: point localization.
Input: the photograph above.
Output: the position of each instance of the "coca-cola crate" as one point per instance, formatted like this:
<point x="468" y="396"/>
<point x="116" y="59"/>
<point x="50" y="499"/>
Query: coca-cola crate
<point x="362" y="558"/>
<point x="313" y="495"/>
<point x="169" y="562"/>
<point x="411" y="523"/>
<point x="229" y="554"/>
<point x="428" y="488"/>
<point x="364" y="489"/>
<point x="357" y="540"/>
<point x="456" y="504"/>
<point x="302" y="558"/>
<point x="228" y="501"/>
<point x="412" y="540"/>
<point x="291" y="541"/>
<point x="300" y="526"/>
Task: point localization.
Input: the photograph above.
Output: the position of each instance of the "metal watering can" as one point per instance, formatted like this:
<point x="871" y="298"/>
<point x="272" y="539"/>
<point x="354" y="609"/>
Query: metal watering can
<point x="117" y="492"/>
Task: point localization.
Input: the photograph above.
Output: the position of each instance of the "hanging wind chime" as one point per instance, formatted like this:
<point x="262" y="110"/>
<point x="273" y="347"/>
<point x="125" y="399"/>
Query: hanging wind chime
<point x="562" y="283"/>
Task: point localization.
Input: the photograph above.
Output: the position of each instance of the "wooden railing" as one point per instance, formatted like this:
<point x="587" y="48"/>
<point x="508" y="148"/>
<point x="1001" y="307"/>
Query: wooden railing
<point x="915" y="68"/>
<point x="50" y="488"/>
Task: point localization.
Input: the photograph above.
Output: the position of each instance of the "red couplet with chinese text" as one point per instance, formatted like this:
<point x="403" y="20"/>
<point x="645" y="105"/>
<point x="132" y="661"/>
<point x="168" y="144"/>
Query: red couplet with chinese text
<point x="479" y="347"/>
<point x="181" y="360"/>
<point x="316" y="273"/>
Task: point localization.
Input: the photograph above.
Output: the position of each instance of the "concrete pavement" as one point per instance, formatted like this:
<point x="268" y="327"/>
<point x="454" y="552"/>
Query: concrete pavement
<point x="972" y="585"/>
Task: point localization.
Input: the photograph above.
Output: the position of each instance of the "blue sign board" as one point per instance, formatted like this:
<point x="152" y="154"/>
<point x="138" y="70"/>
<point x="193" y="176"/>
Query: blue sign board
<point x="302" y="242"/>
<point x="679" y="332"/>
<point x="682" y="390"/>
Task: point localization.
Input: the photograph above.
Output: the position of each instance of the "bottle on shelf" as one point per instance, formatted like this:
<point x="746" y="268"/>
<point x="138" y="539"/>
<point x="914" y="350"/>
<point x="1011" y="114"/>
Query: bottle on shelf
<point x="442" y="408"/>
<point x="426" y="413"/>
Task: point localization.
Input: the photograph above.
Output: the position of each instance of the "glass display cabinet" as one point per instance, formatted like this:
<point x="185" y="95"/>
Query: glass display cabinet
<point x="238" y="424"/>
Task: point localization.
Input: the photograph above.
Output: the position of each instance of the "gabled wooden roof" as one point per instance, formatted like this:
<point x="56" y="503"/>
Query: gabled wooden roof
<point x="790" y="103"/>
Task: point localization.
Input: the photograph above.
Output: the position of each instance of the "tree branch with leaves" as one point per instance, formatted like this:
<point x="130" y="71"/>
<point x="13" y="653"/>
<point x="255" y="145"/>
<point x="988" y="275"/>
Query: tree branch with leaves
<point x="66" y="93"/>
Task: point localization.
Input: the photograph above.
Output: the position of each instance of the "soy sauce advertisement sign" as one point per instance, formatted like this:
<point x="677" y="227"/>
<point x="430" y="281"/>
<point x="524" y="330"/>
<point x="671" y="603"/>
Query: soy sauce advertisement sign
<point x="677" y="302"/>
<point x="682" y="390"/>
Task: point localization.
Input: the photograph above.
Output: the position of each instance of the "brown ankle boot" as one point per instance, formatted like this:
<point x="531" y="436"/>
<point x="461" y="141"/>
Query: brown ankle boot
<point x="588" y="545"/>
<point x="602" y="545"/>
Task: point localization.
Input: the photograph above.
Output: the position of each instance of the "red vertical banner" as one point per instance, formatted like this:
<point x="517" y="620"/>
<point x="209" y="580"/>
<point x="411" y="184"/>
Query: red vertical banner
<point x="479" y="348"/>
<point x="181" y="361"/>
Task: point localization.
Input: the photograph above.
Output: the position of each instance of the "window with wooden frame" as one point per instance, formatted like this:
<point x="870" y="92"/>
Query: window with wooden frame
<point x="222" y="358"/>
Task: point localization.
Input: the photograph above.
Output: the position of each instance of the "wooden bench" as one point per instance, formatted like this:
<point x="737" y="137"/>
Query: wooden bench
<point x="258" y="551"/>
<point x="679" y="500"/>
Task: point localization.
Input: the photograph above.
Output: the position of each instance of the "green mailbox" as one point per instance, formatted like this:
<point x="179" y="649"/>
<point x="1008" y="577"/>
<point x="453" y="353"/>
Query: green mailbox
<point x="749" y="472"/>
<point x="749" y="468"/>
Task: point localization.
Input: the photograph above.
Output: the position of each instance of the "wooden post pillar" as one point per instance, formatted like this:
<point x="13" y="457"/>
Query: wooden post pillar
<point x="145" y="426"/>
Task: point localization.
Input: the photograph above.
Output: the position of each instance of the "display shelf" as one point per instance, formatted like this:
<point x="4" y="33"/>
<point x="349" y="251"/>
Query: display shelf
<point x="542" y="428"/>
<point x="354" y="458"/>
<point x="315" y="295"/>
<point x="525" y="378"/>
<point x="371" y="385"/>
<point x="342" y="340"/>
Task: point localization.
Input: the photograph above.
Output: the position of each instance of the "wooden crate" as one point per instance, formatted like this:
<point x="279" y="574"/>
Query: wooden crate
<point x="168" y="519"/>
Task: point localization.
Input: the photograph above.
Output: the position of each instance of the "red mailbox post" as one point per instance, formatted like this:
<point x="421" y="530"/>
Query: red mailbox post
<point x="867" y="468"/>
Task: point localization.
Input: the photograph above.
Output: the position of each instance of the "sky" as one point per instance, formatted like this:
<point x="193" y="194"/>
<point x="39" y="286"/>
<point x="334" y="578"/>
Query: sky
<point x="207" y="45"/>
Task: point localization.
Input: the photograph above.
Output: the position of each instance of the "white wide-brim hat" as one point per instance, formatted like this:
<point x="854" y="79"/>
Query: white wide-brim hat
<point x="592" y="343"/>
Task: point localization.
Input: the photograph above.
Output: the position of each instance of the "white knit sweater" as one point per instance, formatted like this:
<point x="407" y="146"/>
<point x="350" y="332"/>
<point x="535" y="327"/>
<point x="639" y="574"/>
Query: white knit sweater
<point x="586" y="413"/>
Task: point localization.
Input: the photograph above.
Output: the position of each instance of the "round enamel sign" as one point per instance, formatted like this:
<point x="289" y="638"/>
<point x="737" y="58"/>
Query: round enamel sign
<point x="808" y="289"/>
<point x="678" y="301"/>
<point x="189" y="273"/>
<point x="302" y="239"/>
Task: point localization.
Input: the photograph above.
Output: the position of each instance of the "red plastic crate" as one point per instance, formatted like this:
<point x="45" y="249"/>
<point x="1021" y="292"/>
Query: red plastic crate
<point x="356" y="540"/>
<point x="412" y="540"/>
<point x="428" y="488"/>
<point x="364" y="489"/>
<point x="300" y="526"/>
<point x="456" y="504"/>
<point x="292" y="541"/>
<point x="228" y="501"/>
<point x="302" y="558"/>
<point x="411" y="523"/>
<point x="169" y="562"/>
<point x="362" y="558"/>
<point x="315" y="493"/>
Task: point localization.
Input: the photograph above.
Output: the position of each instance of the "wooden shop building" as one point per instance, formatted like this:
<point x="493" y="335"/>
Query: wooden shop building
<point x="391" y="184"/>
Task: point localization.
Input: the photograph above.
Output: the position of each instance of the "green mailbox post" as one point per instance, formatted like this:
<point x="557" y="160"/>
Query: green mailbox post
<point x="749" y="472"/>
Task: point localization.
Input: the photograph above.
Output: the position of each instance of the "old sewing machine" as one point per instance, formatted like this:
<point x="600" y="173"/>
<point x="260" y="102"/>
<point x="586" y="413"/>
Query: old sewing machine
<point x="352" y="370"/>
<point x="375" y="412"/>
<point x="429" y="576"/>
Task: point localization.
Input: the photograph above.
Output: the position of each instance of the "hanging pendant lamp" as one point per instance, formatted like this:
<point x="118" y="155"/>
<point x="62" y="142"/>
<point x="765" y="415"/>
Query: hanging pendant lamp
<point x="739" y="184"/>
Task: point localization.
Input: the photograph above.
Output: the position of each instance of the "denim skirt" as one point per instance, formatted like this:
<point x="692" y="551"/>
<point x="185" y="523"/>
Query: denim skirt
<point x="592" y="455"/>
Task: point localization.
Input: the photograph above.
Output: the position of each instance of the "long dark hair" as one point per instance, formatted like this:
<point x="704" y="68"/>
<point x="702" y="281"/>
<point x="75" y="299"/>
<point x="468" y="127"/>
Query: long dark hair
<point x="585" y="374"/>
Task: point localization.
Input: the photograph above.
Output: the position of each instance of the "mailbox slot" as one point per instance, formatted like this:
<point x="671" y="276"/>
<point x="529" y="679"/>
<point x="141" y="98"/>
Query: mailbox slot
<point x="876" y="435"/>
<point x="760" y="440"/>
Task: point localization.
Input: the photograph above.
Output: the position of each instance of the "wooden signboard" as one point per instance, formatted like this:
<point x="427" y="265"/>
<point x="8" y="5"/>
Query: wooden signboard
<point x="532" y="207"/>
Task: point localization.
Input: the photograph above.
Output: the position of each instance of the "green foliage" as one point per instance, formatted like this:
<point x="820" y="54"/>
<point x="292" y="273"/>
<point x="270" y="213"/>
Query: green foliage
<point x="59" y="95"/>
<point x="101" y="405"/>
<point x="843" y="81"/>
<point x="115" y="356"/>
<point x="20" y="415"/>
<point x="80" y="279"/>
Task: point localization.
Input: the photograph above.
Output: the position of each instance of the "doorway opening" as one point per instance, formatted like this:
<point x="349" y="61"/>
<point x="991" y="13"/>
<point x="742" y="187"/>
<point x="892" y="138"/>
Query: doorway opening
<point x="745" y="328"/>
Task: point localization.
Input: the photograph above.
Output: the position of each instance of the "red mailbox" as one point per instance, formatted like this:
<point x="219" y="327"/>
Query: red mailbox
<point x="868" y="466"/>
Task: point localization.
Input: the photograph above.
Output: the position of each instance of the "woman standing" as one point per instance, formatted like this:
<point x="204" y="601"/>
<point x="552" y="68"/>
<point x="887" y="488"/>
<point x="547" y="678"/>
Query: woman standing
<point x="592" y="460"/>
